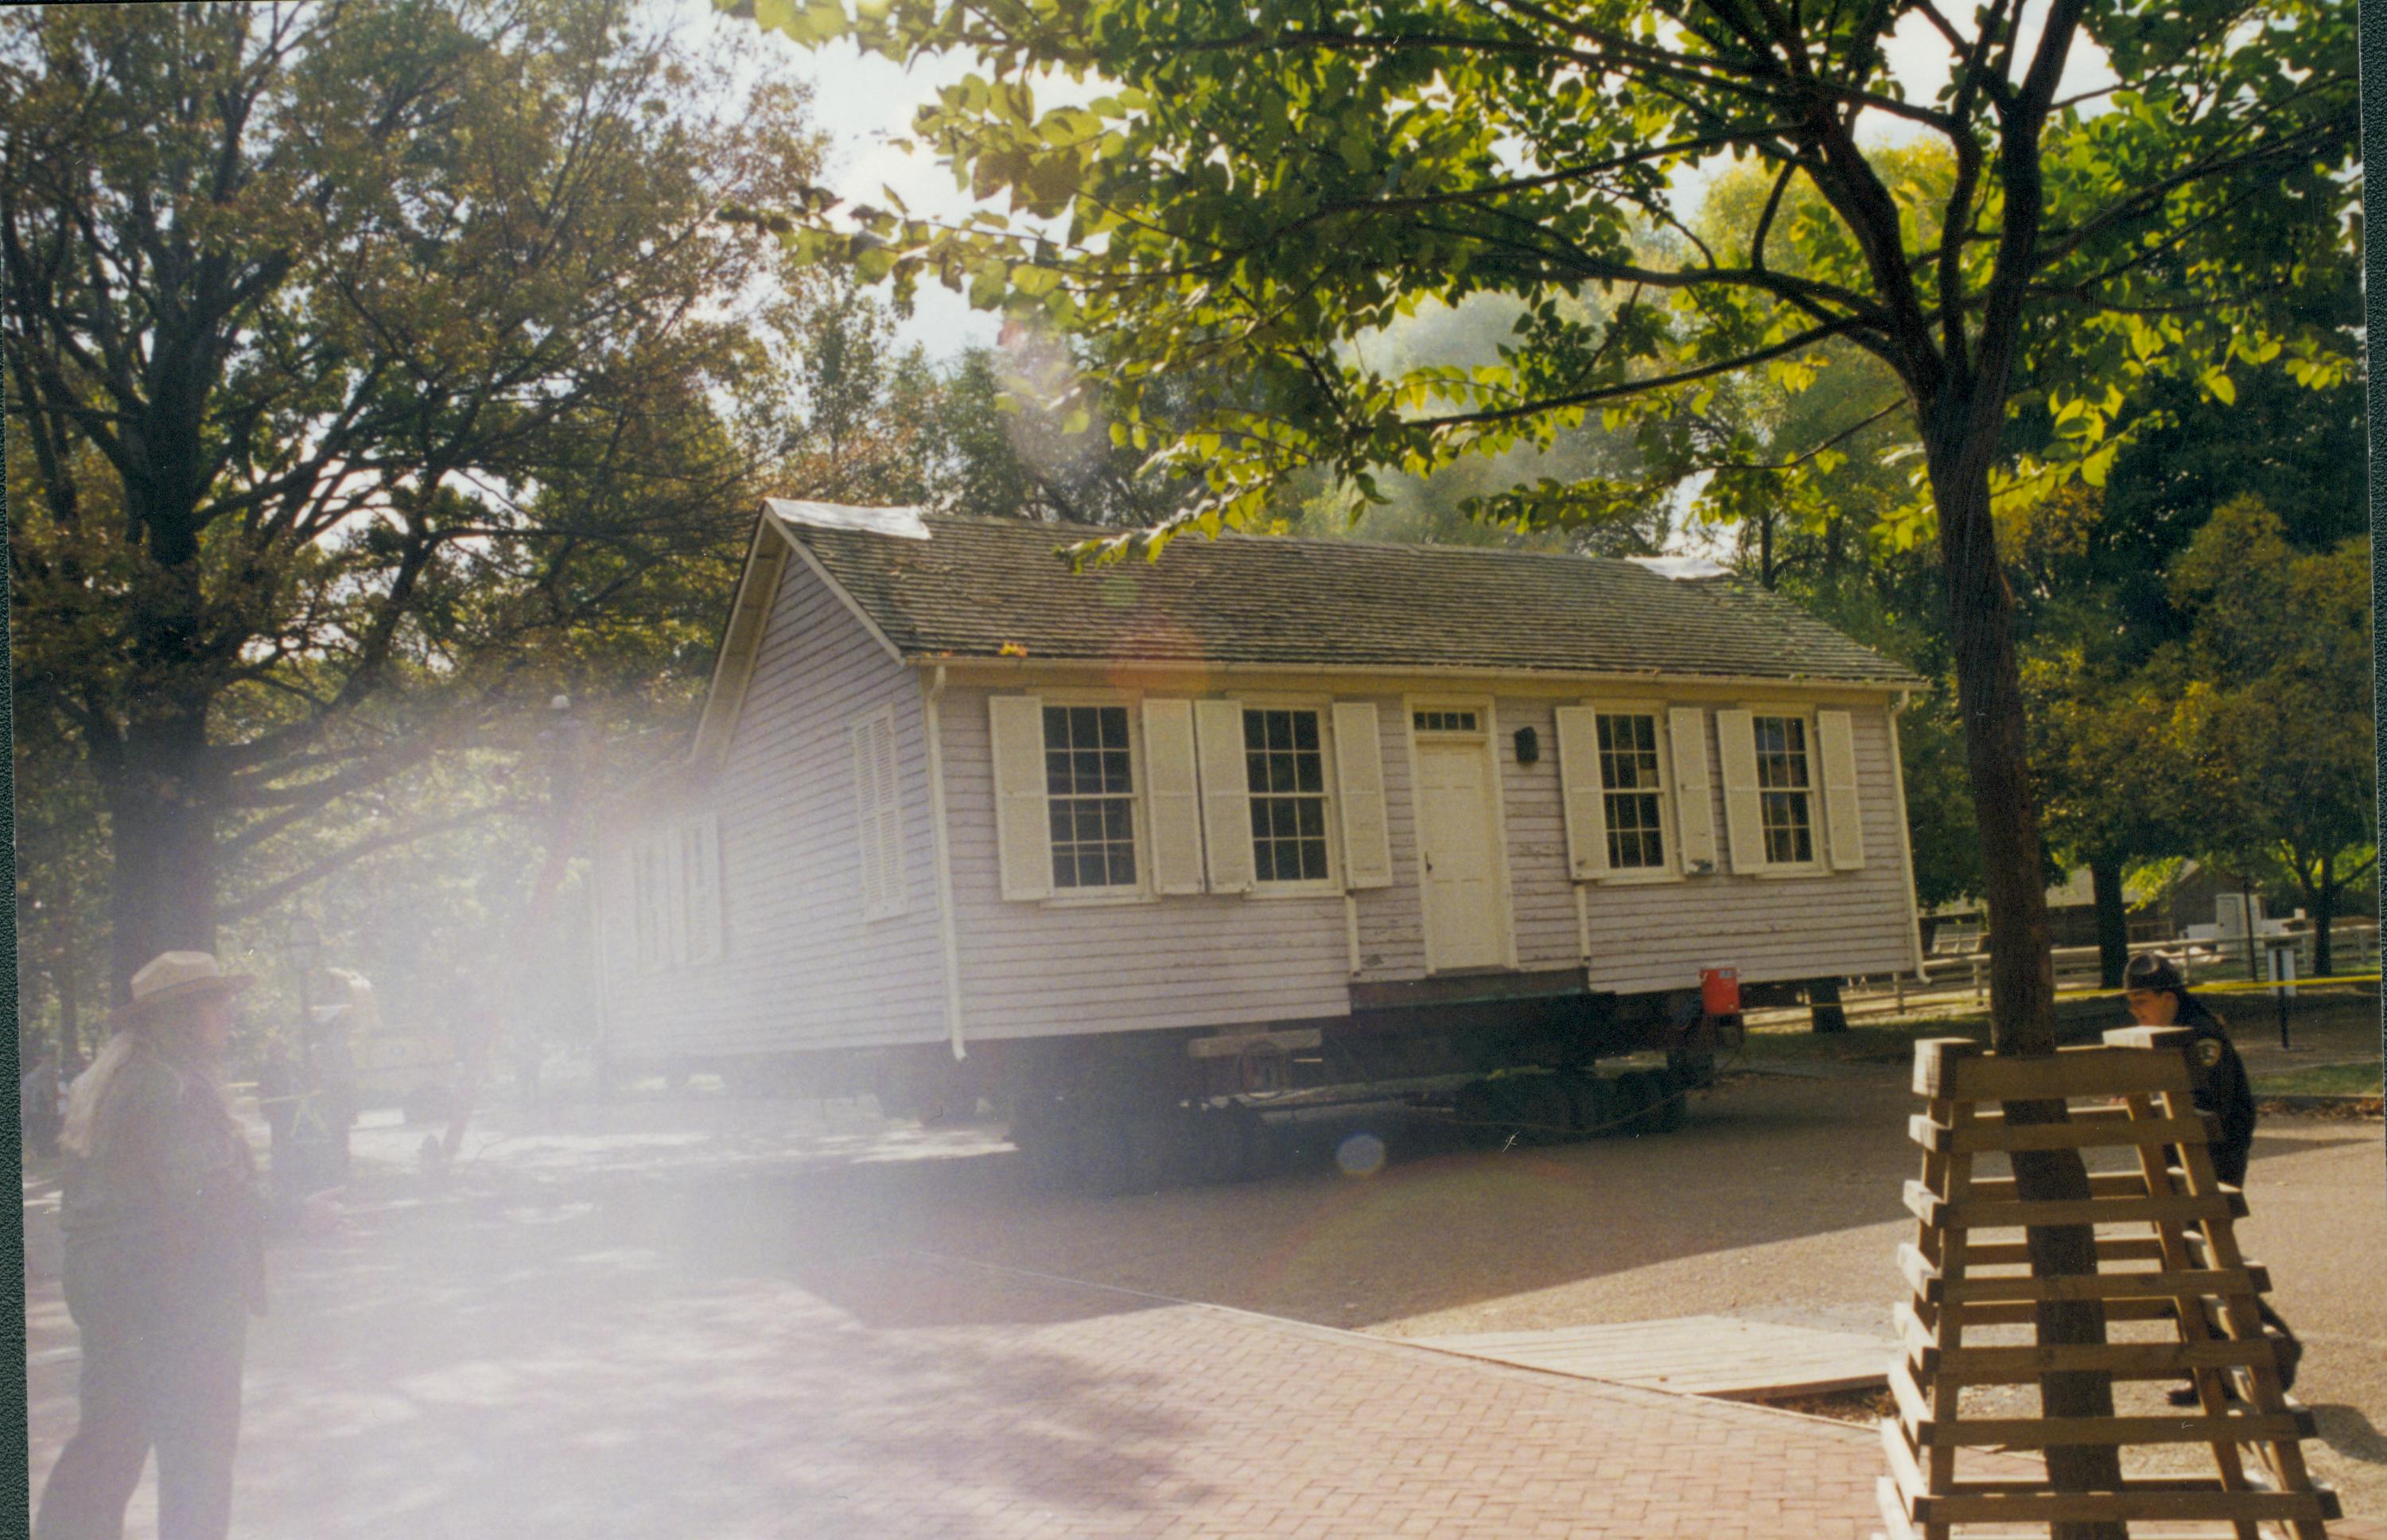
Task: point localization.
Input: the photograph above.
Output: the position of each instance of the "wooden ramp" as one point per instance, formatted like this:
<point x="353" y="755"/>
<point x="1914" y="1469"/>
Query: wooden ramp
<point x="1720" y="1355"/>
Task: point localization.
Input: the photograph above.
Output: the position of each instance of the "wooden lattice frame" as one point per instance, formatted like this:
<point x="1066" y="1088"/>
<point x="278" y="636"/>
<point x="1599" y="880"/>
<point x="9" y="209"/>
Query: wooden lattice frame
<point x="2133" y="1094"/>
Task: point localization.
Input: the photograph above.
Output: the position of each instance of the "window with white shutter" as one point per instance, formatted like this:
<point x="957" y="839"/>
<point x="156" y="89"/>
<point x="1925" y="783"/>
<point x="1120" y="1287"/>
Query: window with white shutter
<point x="878" y="814"/>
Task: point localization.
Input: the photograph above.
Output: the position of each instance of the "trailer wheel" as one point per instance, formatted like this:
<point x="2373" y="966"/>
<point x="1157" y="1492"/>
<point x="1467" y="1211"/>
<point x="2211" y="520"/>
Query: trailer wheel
<point x="1691" y="1068"/>
<point x="1045" y="1129"/>
<point x="1107" y="1158"/>
<point x="1673" y="1101"/>
<point x="1479" y="1107"/>
<point x="1261" y="1148"/>
<point x="1544" y="1111"/>
<point x="1214" y="1146"/>
<point x="1592" y="1105"/>
<point x="1637" y="1094"/>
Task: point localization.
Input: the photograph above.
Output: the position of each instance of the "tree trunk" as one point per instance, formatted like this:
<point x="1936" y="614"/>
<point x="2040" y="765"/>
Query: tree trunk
<point x="2021" y="979"/>
<point x="2113" y="920"/>
<point x="161" y="894"/>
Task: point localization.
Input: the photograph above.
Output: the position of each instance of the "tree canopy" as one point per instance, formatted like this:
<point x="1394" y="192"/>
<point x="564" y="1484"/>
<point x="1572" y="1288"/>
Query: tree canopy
<point x="364" y="359"/>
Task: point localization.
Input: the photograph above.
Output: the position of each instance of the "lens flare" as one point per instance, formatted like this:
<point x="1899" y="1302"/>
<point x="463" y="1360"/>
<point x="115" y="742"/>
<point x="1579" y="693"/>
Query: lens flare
<point x="1363" y="1154"/>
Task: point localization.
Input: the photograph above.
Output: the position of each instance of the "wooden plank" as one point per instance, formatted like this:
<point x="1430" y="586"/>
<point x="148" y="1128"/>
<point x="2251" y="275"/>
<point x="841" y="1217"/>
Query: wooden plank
<point x="2024" y="1363"/>
<point x="2042" y="1432"/>
<point x="2134" y="1501"/>
<point x="2102" y="1184"/>
<point x="1978" y="1214"/>
<point x="1892" y="1504"/>
<point x="2079" y="1132"/>
<point x="2110" y="1248"/>
<point x="2192" y="1284"/>
<point x="1982" y="1077"/>
<point x="2024" y="1314"/>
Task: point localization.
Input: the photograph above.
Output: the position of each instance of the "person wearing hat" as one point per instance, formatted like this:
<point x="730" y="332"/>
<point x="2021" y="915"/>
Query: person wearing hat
<point x="2158" y="996"/>
<point x="163" y="1260"/>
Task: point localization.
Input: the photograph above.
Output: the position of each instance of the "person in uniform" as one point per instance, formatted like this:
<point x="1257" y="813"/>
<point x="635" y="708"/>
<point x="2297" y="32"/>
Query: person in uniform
<point x="164" y="1259"/>
<point x="2158" y="996"/>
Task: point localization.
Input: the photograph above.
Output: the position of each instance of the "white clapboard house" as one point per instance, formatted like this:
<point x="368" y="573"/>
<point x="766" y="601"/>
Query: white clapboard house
<point x="948" y="793"/>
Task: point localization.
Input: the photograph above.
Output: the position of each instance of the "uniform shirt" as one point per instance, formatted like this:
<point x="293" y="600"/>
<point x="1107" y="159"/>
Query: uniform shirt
<point x="2217" y="1078"/>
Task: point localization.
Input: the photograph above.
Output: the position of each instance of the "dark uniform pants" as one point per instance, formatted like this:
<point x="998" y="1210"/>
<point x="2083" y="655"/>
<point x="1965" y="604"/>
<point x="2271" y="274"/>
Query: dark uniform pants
<point x="161" y="1367"/>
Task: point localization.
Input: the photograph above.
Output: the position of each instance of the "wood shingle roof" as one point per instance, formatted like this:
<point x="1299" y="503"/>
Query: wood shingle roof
<point x="994" y="588"/>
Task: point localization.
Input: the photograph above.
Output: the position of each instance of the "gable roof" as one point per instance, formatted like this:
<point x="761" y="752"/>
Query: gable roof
<point x="995" y="588"/>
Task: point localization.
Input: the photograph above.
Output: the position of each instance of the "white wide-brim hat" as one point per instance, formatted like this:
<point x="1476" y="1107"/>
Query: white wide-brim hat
<point x="174" y="976"/>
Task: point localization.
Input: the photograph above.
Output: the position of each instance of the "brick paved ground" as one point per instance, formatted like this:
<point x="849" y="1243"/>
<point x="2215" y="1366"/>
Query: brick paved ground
<point x="654" y="1338"/>
<point x="595" y="1394"/>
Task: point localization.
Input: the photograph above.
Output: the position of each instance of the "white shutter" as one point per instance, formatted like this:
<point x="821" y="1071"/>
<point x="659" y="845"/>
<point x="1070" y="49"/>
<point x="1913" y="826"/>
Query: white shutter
<point x="890" y="819"/>
<point x="1694" y="812"/>
<point x="1174" y="796"/>
<point x="1586" y="809"/>
<point x="1226" y="796"/>
<point x="1359" y="782"/>
<point x="878" y="816"/>
<point x="1744" y="825"/>
<point x="700" y="875"/>
<point x="1023" y="826"/>
<point x="1844" y="817"/>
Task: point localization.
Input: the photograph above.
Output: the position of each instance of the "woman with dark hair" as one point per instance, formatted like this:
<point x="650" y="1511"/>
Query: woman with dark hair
<point x="164" y="1258"/>
<point x="2158" y="996"/>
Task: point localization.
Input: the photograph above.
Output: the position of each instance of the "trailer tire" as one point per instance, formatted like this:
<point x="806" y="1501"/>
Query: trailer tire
<point x="1041" y="1128"/>
<point x="1214" y="1147"/>
<point x="1260" y="1147"/>
<point x="1593" y="1105"/>
<point x="1674" y="1103"/>
<point x="1637" y="1094"/>
<point x="1106" y="1157"/>
<point x="1481" y="1110"/>
<point x="1544" y="1111"/>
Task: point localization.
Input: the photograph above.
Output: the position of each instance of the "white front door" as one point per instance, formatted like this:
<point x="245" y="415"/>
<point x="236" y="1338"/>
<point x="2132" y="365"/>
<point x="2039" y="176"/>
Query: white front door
<point x="1463" y="903"/>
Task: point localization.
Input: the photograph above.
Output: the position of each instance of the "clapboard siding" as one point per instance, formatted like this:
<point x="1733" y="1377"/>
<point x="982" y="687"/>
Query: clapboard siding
<point x="1658" y="935"/>
<point x="1040" y="969"/>
<point x="800" y="968"/>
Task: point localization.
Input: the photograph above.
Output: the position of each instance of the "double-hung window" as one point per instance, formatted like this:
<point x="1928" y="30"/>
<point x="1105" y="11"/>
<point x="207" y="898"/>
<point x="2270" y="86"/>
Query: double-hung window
<point x="1785" y="789"/>
<point x="1089" y="788"/>
<point x="1632" y="792"/>
<point x="1284" y="768"/>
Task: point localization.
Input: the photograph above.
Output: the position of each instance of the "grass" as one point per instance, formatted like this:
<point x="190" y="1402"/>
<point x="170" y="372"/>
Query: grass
<point x="2343" y="1017"/>
<point x="2321" y="1079"/>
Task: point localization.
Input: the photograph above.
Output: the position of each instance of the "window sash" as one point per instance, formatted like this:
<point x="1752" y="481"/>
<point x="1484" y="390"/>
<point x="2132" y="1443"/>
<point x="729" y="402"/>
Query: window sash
<point x="1284" y="770"/>
<point x="1632" y="782"/>
<point x="1785" y="795"/>
<point x="1091" y="797"/>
